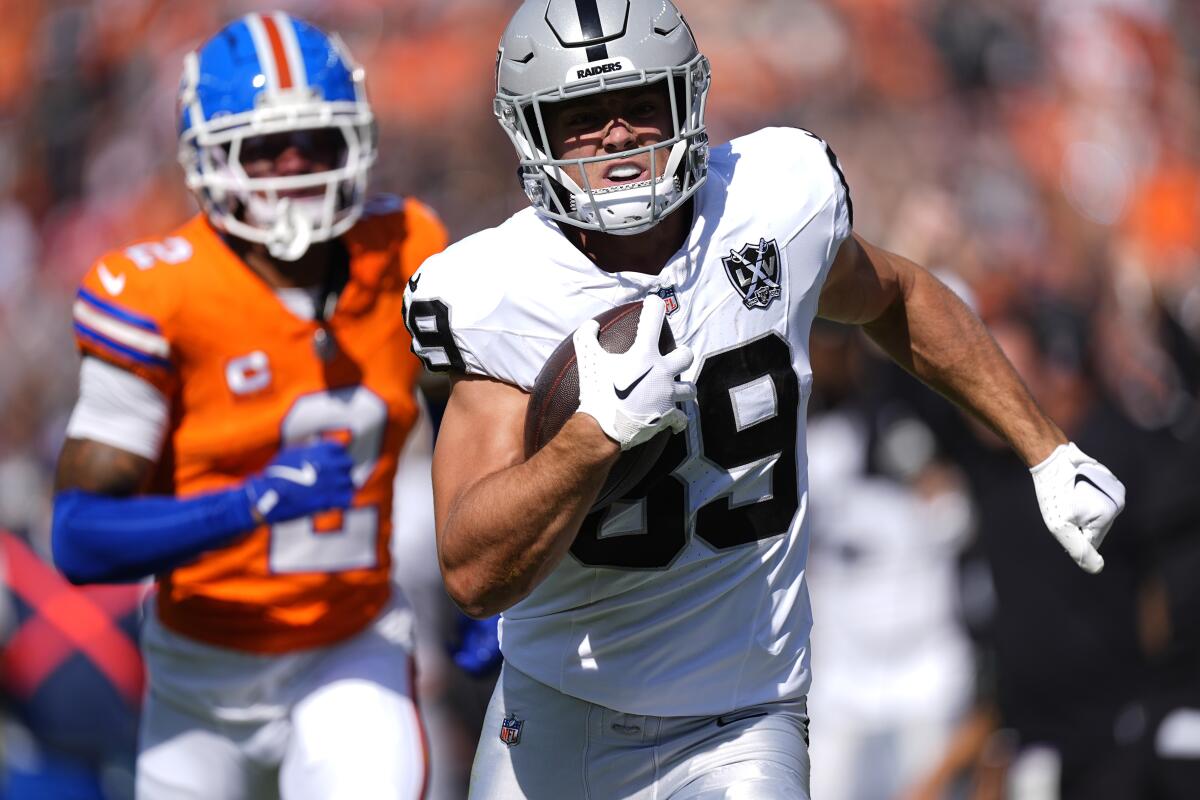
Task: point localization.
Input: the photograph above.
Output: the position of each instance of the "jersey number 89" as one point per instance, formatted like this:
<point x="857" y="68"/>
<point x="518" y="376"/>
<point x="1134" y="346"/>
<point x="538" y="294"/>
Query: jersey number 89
<point x="749" y="399"/>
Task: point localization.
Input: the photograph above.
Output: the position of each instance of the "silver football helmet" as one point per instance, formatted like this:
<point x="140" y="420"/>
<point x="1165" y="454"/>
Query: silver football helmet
<point x="555" y="50"/>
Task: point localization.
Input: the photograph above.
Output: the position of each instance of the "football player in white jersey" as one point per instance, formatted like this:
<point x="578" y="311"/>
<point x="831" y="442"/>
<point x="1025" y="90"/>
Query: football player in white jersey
<point x="659" y="647"/>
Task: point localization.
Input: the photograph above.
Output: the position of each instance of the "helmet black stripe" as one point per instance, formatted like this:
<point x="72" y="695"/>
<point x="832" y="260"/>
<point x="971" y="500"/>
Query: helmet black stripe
<point x="591" y="28"/>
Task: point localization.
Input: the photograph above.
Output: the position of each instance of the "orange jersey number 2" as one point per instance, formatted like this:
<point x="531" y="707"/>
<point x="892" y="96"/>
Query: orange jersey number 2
<point x="340" y="540"/>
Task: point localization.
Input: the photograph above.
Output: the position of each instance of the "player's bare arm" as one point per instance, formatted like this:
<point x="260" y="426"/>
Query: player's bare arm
<point x="504" y="523"/>
<point x="100" y="468"/>
<point x="930" y="332"/>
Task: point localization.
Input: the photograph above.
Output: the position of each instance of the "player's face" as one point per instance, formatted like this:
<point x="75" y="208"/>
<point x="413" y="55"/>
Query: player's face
<point x="279" y="155"/>
<point x="607" y="124"/>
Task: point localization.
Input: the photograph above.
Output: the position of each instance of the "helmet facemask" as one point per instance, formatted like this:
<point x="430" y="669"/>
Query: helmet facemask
<point x="679" y="163"/>
<point x="267" y="210"/>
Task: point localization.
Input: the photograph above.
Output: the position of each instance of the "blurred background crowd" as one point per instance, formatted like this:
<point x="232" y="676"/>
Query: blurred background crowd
<point x="1042" y="155"/>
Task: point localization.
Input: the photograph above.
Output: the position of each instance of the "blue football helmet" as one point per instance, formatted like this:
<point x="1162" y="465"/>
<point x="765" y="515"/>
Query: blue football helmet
<point x="263" y="75"/>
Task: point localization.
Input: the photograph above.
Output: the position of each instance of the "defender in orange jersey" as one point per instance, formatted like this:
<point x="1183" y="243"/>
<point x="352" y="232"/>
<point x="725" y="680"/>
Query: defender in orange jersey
<point x="246" y="386"/>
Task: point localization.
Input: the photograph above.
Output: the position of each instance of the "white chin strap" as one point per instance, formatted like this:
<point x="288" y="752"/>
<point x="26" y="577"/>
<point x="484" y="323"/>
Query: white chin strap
<point x="627" y="210"/>
<point x="289" y="223"/>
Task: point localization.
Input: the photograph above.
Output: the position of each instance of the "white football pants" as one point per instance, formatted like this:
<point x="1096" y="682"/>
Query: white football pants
<point x="568" y="749"/>
<point x="325" y="724"/>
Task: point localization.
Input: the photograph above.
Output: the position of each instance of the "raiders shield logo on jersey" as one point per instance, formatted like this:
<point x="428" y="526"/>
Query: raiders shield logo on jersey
<point x="754" y="272"/>
<point x="510" y="730"/>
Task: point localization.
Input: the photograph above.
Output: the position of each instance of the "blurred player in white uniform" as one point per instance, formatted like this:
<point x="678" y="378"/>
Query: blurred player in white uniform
<point x="659" y="648"/>
<point x="894" y="664"/>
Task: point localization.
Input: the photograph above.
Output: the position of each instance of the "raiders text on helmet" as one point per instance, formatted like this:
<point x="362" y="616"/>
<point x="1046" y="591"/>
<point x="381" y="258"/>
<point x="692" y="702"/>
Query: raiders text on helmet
<point x="556" y="50"/>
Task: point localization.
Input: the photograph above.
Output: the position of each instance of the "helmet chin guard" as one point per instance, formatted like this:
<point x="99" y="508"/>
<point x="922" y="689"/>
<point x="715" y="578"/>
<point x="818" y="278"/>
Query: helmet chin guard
<point x="292" y="233"/>
<point x="636" y="208"/>
<point x="552" y="52"/>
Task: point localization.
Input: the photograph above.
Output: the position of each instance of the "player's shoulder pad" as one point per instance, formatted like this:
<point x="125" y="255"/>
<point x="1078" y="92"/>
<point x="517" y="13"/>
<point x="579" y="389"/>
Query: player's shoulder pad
<point x="125" y="304"/>
<point x="396" y="209"/>
<point x="383" y="204"/>
<point x="796" y="161"/>
<point x="469" y="275"/>
<point x="389" y="220"/>
<point x="426" y="228"/>
<point x="383" y="218"/>
<point x="464" y="291"/>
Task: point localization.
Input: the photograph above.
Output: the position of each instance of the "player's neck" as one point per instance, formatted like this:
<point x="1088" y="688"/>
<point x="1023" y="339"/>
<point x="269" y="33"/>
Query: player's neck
<point x="310" y="269"/>
<point x="645" y="252"/>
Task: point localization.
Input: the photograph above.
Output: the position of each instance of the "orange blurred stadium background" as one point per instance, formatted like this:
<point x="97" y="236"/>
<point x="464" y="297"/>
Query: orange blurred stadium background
<point x="1027" y="149"/>
<point x="1026" y="145"/>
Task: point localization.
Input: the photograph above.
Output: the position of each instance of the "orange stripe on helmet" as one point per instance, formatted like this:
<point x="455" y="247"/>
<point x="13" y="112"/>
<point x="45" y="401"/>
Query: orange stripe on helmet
<point x="277" y="51"/>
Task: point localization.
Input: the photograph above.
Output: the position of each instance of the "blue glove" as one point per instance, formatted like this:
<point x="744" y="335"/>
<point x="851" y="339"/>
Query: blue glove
<point x="478" y="650"/>
<point x="302" y="481"/>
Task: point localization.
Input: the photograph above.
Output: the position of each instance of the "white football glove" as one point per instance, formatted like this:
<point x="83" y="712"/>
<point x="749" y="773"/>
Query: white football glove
<point x="1079" y="498"/>
<point x="633" y="394"/>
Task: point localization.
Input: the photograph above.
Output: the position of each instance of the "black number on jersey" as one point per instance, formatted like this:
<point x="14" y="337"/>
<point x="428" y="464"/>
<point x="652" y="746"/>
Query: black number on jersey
<point x="764" y="368"/>
<point x="748" y="399"/>
<point x="658" y="504"/>
<point x="429" y="323"/>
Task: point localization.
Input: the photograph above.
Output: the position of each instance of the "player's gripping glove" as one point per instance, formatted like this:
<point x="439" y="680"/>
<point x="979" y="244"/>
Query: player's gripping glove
<point x="302" y="481"/>
<point x="633" y="394"/>
<point x="1079" y="498"/>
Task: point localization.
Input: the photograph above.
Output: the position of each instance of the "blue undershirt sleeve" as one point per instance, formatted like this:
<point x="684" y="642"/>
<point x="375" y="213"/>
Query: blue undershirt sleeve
<point x="101" y="539"/>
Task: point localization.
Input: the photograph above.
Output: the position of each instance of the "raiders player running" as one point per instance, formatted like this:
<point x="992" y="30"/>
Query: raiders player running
<point x="660" y="648"/>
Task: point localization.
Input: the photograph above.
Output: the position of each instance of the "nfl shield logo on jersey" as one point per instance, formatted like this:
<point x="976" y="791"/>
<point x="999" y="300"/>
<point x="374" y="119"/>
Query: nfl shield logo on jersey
<point x="510" y="730"/>
<point x="667" y="293"/>
<point x="754" y="272"/>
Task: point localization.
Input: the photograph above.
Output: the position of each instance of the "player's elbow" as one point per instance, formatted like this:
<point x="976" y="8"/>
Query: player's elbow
<point x="477" y="590"/>
<point x="483" y="580"/>
<point x="479" y="610"/>
<point x="475" y="608"/>
<point x="473" y="597"/>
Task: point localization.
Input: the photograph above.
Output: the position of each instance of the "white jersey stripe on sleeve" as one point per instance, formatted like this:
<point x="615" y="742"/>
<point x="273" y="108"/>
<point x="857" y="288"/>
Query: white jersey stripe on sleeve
<point x="151" y="344"/>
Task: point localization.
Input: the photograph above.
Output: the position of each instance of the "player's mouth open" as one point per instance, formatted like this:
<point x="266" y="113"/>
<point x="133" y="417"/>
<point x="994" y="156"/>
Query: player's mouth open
<point x="624" y="173"/>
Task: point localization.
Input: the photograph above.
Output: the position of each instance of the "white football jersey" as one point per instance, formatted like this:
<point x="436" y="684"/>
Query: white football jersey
<point x="687" y="597"/>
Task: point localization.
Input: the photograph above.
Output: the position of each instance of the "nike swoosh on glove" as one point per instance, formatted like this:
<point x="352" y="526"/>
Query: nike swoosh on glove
<point x="302" y="481"/>
<point x="633" y="395"/>
<point x="1079" y="498"/>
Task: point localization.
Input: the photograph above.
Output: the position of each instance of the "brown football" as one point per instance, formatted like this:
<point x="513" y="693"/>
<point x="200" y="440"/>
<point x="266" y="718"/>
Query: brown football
<point x="555" y="398"/>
